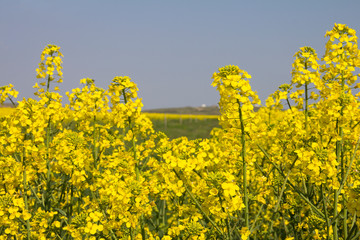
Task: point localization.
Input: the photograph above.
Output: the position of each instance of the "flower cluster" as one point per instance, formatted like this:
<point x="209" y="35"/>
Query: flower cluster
<point x="235" y="91"/>
<point x="7" y="92"/>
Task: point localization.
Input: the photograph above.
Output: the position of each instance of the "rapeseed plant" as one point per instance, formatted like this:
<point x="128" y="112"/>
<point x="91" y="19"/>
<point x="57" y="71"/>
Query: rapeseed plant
<point x="96" y="169"/>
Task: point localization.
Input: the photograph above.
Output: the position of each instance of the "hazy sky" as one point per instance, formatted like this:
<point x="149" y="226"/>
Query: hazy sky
<point x="169" y="48"/>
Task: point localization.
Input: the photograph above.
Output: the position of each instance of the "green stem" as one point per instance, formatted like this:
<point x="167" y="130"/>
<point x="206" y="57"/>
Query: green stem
<point x="345" y="176"/>
<point x="227" y="218"/>
<point x="281" y="193"/>
<point x="353" y="226"/>
<point x="325" y="211"/>
<point x="256" y="218"/>
<point x="243" y="153"/>
<point x="288" y="103"/>
<point x="13" y="103"/>
<point x="164" y="212"/>
<point x="228" y="227"/>
<point x="95" y="149"/>
<point x="306" y="106"/>
<point x="349" y="167"/>
<point x="340" y="159"/>
<point x="48" y="173"/>
<point x="25" y="188"/>
<point x="48" y="84"/>
<point x="356" y="237"/>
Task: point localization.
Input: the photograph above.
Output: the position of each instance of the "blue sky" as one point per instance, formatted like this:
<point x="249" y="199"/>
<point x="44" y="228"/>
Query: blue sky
<point x="169" y="48"/>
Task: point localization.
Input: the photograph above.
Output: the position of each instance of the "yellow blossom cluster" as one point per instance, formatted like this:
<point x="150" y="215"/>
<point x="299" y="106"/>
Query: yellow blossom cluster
<point x="50" y="61"/>
<point x="96" y="169"/>
<point x="7" y="92"/>
<point x="235" y="90"/>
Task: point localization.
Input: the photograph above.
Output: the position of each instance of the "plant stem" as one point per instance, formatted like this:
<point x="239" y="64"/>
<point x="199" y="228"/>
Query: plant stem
<point x="25" y="195"/>
<point x="326" y="213"/>
<point x="339" y="158"/>
<point x="14" y="104"/>
<point x="243" y="153"/>
<point x="95" y="149"/>
<point x="306" y="106"/>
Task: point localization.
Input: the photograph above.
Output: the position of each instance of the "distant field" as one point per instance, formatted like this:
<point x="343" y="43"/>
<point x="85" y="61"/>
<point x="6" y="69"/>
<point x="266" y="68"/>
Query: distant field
<point x="164" y="116"/>
<point x="191" y="125"/>
<point x="210" y="110"/>
<point x="191" y="122"/>
<point x="192" y="128"/>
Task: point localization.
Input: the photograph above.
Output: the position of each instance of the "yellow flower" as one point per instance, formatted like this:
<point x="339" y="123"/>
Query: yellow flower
<point x="245" y="233"/>
<point x="26" y="216"/>
<point x="57" y="224"/>
<point x="214" y="192"/>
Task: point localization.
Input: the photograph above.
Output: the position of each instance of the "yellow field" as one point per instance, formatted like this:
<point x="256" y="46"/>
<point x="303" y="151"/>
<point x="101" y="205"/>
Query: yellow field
<point x="162" y="116"/>
<point x="5" y="111"/>
<point x="158" y="116"/>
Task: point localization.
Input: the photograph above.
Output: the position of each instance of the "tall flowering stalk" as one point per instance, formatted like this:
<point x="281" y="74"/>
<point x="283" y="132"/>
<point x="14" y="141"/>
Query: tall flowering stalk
<point x="49" y="69"/>
<point x="236" y="109"/>
<point x="122" y="92"/>
<point x="8" y="92"/>
<point x="305" y="61"/>
<point x="50" y="66"/>
<point x="342" y="57"/>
